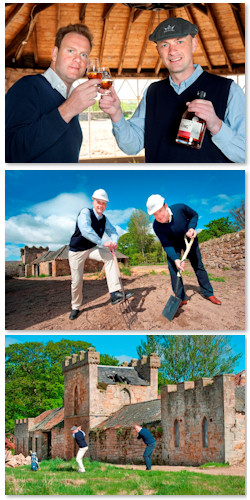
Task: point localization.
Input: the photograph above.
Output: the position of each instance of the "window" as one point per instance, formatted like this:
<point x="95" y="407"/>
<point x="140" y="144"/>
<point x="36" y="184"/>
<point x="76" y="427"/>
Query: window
<point x="205" y="433"/>
<point x="176" y="434"/>
<point x="76" y="401"/>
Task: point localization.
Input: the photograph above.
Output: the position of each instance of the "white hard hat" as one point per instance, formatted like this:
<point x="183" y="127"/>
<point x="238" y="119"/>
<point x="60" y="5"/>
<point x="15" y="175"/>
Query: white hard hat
<point x="100" y="194"/>
<point x="154" y="203"/>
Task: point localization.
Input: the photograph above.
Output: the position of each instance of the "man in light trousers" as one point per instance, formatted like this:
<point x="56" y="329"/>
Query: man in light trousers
<point x="79" y="436"/>
<point x="86" y="242"/>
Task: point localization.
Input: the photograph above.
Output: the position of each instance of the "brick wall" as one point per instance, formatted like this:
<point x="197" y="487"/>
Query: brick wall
<point x="57" y="442"/>
<point x="22" y="427"/>
<point x="120" y="445"/>
<point x="188" y="404"/>
<point x="226" y="251"/>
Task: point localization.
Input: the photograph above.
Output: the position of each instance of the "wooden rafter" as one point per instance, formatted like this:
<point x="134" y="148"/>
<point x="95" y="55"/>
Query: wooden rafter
<point x="217" y="32"/>
<point x="191" y="19"/>
<point x="82" y="12"/>
<point x="58" y="12"/>
<point x="23" y="36"/>
<point x="201" y="7"/>
<point x="138" y="12"/>
<point x="125" y="43"/>
<point x="34" y="37"/>
<point x="237" y="18"/>
<point x="159" y="61"/>
<point x="106" y="14"/>
<point x="14" y="14"/>
<point x="145" y="43"/>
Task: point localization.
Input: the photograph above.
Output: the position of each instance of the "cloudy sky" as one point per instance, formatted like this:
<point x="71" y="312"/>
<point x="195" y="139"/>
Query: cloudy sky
<point x="42" y="205"/>
<point x="123" y="347"/>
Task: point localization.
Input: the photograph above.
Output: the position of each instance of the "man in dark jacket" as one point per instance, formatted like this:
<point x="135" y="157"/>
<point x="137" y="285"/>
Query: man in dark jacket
<point x="86" y="242"/>
<point x="79" y="436"/>
<point x="156" y="121"/>
<point x="171" y="225"/>
<point x="150" y="443"/>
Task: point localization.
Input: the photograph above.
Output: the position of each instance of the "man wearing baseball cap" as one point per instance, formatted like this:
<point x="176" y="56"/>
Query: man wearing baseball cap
<point x="86" y="242"/>
<point x="171" y="224"/>
<point x="155" y="123"/>
<point x="79" y="436"/>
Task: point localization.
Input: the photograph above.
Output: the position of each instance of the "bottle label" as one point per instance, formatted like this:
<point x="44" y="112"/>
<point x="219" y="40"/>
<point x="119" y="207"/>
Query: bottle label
<point x="190" y="128"/>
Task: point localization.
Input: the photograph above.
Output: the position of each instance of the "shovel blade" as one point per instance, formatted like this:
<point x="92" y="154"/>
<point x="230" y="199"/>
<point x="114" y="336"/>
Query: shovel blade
<point x="171" y="307"/>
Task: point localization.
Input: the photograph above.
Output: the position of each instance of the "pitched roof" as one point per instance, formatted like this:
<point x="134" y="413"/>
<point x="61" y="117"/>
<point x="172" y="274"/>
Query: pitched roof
<point x="62" y="253"/>
<point x="47" y="420"/>
<point x="120" y="374"/>
<point x="146" y="412"/>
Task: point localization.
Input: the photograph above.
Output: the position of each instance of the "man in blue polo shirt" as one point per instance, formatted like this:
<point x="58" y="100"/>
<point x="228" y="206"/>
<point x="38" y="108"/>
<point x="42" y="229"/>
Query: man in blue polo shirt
<point x="155" y="123"/>
<point x="79" y="436"/>
<point x="171" y="225"/>
<point x="150" y="443"/>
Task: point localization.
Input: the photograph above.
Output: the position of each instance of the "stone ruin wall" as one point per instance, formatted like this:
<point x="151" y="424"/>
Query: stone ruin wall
<point x="226" y="251"/>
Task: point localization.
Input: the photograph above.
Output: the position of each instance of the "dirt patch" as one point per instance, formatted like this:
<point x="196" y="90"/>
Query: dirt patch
<point x="76" y="482"/>
<point x="232" y="470"/>
<point x="44" y="304"/>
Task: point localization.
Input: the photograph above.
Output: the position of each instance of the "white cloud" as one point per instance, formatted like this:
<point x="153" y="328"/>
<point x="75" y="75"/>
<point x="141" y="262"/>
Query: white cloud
<point x="12" y="340"/>
<point x="123" y="358"/>
<point x="52" y="222"/>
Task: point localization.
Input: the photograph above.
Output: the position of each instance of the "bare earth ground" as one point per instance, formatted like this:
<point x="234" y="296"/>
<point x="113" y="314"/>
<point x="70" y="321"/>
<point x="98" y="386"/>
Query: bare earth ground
<point x="44" y="303"/>
<point x="232" y="470"/>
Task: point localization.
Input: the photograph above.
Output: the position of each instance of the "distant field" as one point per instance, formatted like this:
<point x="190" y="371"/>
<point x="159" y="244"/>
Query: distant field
<point x="58" y="477"/>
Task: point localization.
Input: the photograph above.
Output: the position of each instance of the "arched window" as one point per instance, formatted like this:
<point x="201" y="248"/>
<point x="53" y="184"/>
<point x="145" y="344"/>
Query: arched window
<point x="76" y="401"/>
<point x="205" y="433"/>
<point x="125" y="397"/>
<point x="176" y="434"/>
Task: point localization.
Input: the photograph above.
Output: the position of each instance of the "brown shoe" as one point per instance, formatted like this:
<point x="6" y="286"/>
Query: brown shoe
<point x="214" y="300"/>
<point x="183" y="303"/>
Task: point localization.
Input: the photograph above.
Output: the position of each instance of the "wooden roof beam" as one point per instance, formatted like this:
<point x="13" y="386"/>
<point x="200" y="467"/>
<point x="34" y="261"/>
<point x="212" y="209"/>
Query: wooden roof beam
<point x="17" y="10"/>
<point x="191" y="19"/>
<point x="125" y="43"/>
<point x="105" y="16"/>
<point x="82" y="12"/>
<point x="145" y="43"/>
<point x="201" y="7"/>
<point x="236" y="13"/>
<point x="216" y="29"/>
<point x="34" y="37"/>
<point x="23" y="36"/>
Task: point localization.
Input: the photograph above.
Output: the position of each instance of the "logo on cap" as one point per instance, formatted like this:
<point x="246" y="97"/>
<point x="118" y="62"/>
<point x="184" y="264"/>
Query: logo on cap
<point x="169" y="28"/>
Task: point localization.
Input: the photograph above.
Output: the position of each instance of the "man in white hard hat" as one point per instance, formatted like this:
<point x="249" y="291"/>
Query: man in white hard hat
<point x="86" y="242"/>
<point x="171" y="224"/>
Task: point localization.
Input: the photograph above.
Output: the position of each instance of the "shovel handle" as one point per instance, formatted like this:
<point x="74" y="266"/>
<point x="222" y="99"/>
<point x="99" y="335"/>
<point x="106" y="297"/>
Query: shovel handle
<point x="188" y="247"/>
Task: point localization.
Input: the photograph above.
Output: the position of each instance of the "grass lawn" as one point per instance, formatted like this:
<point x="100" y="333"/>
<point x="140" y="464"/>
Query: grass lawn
<point x="58" y="477"/>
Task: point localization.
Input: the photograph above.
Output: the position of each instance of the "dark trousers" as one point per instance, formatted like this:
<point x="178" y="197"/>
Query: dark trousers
<point x="194" y="257"/>
<point x="147" y="455"/>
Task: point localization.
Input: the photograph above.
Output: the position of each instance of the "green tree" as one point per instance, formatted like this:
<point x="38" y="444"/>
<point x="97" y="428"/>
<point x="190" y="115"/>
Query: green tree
<point x="34" y="377"/>
<point x="188" y="357"/>
<point x="238" y="215"/>
<point x="215" y="229"/>
<point x="139" y="229"/>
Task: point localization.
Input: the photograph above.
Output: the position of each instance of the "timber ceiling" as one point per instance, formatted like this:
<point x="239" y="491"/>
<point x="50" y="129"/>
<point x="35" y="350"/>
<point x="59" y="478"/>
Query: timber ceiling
<point x="121" y="34"/>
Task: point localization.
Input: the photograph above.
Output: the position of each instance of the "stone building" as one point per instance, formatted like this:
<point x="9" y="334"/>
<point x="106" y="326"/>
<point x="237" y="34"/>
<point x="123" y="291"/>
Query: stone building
<point x="193" y="422"/>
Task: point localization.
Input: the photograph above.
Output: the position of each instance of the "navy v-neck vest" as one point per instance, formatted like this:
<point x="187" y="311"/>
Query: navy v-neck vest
<point x="164" y="110"/>
<point x="79" y="243"/>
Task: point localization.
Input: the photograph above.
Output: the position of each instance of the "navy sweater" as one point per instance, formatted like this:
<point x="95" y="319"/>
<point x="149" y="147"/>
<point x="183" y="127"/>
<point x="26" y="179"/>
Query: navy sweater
<point x="80" y="439"/>
<point x="146" y="436"/>
<point x="78" y="243"/>
<point x="171" y="234"/>
<point x="164" y="110"/>
<point x="35" y="130"/>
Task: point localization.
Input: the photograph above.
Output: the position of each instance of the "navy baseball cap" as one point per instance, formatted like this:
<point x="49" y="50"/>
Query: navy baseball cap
<point x="172" y="28"/>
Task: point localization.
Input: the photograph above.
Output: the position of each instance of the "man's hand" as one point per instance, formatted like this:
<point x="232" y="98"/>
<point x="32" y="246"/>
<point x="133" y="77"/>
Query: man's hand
<point x="81" y="98"/>
<point x="110" y="104"/>
<point x="180" y="265"/>
<point x="110" y="245"/>
<point x="191" y="233"/>
<point x="205" y="110"/>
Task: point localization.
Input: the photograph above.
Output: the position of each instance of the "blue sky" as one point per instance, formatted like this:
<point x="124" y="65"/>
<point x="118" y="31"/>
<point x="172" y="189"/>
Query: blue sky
<point x="42" y="205"/>
<point x="121" y="346"/>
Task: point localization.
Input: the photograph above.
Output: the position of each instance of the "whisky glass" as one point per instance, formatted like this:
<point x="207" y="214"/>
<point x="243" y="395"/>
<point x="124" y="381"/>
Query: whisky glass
<point x="93" y="69"/>
<point x="107" y="80"/>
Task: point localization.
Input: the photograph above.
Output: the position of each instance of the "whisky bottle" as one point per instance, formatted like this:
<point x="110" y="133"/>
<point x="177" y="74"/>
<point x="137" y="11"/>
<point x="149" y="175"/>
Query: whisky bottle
<point x="192" y="128"/>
